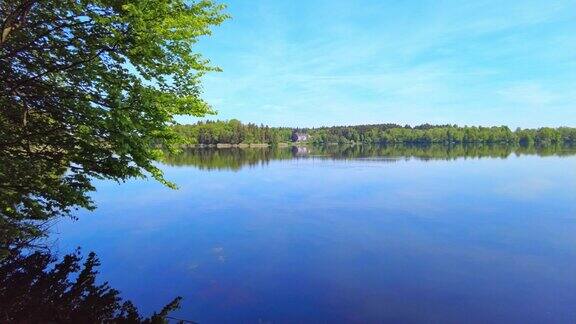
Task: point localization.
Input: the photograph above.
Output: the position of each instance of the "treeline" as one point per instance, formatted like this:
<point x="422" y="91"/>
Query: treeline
<point x="234" y="132"/>
<point x="445" y="134"/>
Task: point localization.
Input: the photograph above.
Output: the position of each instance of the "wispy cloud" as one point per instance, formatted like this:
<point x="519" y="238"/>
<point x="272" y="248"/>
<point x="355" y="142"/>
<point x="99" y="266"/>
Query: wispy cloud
<point x="324" y="62"/>
<point x="529" y="94"/>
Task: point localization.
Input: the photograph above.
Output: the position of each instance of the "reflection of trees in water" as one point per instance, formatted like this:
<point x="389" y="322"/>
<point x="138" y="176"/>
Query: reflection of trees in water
<point x="236" y="158"/>
<point x="36" y="288"/>
<point x="227" y="158"/>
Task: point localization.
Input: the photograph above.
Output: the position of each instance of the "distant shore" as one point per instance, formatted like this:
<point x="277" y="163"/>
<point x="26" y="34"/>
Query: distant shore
<point x="233" y="131"/>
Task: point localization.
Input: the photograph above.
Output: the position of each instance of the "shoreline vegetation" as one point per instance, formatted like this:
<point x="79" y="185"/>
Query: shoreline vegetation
<point x="233" y="133"/>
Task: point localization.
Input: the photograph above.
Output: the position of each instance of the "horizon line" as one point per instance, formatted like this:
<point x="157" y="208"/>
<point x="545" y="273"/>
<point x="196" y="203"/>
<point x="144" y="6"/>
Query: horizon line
<point x="402" y="125"/>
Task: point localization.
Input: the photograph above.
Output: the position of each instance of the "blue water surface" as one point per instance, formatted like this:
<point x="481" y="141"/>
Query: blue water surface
<point x="324" y="240"/>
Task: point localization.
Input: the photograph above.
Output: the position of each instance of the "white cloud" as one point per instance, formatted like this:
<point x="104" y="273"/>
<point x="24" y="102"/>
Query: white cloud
<point x="530" y="94"/>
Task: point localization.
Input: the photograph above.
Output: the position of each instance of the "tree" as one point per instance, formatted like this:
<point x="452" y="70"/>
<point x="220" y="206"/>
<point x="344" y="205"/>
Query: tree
<point x="89" y="89"/>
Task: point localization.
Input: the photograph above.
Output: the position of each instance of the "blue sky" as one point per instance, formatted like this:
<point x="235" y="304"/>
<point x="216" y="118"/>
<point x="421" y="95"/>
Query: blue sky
<point x="326" y="62"/>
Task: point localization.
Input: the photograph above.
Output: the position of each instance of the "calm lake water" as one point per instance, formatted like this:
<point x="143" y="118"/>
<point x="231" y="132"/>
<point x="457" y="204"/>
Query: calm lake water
<point x="401" y="235"/>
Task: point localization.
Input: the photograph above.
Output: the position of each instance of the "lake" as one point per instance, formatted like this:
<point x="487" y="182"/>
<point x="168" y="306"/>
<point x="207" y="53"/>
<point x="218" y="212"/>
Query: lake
<point x="477" y="234"/>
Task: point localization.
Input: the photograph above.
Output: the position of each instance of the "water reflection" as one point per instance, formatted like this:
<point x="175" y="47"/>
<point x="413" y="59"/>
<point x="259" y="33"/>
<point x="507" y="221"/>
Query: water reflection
<point x="236" y="158"/>
<point x="37" y="288"/>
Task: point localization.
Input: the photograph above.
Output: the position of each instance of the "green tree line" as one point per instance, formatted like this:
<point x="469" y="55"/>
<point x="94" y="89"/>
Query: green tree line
<point x="235" y="132"/>
<point x="232" y="132"/>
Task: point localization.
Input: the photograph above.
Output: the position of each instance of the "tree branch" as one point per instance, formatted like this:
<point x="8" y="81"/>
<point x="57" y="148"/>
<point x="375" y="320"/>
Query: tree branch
<point x="15" y="20"/>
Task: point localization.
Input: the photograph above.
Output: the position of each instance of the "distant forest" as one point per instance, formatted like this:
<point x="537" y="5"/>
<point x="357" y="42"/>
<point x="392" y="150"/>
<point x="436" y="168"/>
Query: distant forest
<point x="235" y="132"/>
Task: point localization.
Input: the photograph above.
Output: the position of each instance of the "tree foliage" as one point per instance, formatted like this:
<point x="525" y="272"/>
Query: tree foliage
<point x="88" y="88"/>
<point x="234" y="132"/>
<point x="441" y="134"/>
